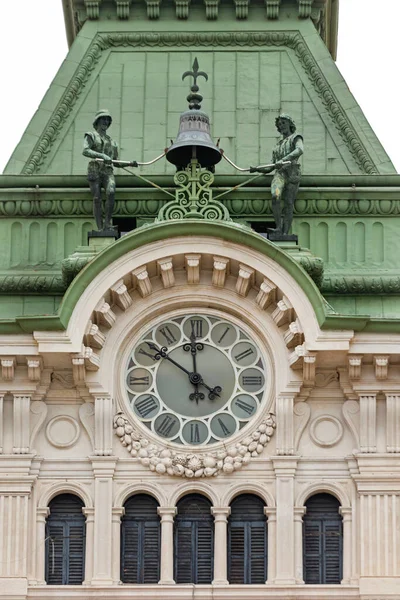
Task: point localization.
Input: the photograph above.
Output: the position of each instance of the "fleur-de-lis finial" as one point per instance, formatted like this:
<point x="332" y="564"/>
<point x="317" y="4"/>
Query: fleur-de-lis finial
<point x="194" y="98"/>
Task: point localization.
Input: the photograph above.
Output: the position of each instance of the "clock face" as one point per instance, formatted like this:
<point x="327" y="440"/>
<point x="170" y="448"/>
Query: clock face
<point x="195" y="379"/>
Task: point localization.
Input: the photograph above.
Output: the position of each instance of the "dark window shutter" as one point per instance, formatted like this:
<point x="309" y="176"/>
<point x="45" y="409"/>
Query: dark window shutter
<point x="65" y="541"/>
<point x="322" y="541"/>
<point x="247" y="541"/>
<point x="194" y="541"/>
<point x="140" y="541"/>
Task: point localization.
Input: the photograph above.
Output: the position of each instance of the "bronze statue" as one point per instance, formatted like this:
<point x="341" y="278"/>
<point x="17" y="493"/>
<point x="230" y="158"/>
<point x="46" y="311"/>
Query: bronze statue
<point x="286" y="180"/>
<point x="99" y="146"/>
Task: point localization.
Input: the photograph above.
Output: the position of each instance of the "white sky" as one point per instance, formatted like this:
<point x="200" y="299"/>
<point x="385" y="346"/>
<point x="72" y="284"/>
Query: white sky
<point x="33" y="46"/>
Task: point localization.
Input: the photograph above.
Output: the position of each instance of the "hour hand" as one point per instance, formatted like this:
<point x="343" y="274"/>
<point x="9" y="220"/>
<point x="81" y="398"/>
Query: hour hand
<point x="160" y="352"/>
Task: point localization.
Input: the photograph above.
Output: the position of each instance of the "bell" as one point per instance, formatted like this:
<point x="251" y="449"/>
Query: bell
<point x="194" y="141"/>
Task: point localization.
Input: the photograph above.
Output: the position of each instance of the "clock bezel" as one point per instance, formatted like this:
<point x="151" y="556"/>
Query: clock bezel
<point x="264" y="350"/>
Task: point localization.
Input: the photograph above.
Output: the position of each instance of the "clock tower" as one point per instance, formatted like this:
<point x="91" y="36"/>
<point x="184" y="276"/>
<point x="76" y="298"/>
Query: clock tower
<point x="191" y="404"/>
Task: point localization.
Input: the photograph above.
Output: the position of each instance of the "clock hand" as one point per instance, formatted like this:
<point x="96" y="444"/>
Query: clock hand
<point x="194" y="378"/>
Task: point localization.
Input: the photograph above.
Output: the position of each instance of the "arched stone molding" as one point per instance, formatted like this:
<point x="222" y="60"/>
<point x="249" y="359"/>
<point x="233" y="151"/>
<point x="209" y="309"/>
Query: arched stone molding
<point x="248" y="488"/>
<point x="64" y="487"/>
<point x="140" y="488"/>
<point x="321" y="487"/>
<point x="197" y="487"/>
<point x="128" y="256"/>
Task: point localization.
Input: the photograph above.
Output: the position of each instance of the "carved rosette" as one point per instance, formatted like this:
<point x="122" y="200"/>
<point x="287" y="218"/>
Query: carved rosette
<point x="188" y="464"/>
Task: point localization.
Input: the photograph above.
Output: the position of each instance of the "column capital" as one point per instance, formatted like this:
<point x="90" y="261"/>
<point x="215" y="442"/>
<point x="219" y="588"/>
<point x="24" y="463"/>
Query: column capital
<point x="285" y="465"/>
<point x="88" y="512"/>
<point x="118" y="511"/>
<point x="346" y="512"/>
<point x="221" y="513"/>
<point x="299" y="512"/>
<point x="270" y="512"/>
<point x="42" y="512"/>
<point x="166" y="513"/>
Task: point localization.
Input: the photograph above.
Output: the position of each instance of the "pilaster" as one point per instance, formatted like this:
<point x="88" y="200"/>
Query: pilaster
<point x="21" y="415"/>
<point x="392" y="423"/>
<point x="284" y="430"/>
<point x="117" y="513"/>
<point x="346" y="513"/>
<point x="89" y="549"/>
<point x="103" y="418"/>
<point x="41" y="515"/>
<point x="103" y="470"/>
<point x="299" y="512"/>
<point x="285" y="469"/>
<point x="1" y="424"/>
<point x="368" y="423"/>
<point x="167" y="544"/>
<point x="221" y="515"/>
<point x="13" y="533"/>
<point x="270" y="512"/>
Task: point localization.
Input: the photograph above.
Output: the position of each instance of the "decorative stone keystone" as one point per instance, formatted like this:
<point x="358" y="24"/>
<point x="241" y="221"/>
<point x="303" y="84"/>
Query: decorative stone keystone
<point x="245" y="280"/>
<point x="192" y="262"/>
<point x="103" y="314"/>
<point x="153" y="8"/>
<point x="8" y="367"/>
<point x="381" y="366"/>
<point x="120" y="296"/>
<point x="355" y="367"/>
<point x="266" y="295"/>
<point x="93" y="336"/>
<point x="272" y="8"/>
<point x="165" y="269"/>
<point x="93" y="9"/>
<point x="283" y="313"/>
<point x="242" y="9"/>
<point x="34" y="368"/>
<point x="220" y="269"/>
<point x="294" y="335"/>
<point x="182" y="8"/>
<point x="123" y="8"/>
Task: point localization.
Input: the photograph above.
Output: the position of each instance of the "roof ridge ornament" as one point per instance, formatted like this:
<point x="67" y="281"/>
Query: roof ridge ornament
<point x="194" y="98"/>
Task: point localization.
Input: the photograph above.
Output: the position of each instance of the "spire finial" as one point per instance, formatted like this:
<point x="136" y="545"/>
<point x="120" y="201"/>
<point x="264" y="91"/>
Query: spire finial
<point x="194" y="98"/>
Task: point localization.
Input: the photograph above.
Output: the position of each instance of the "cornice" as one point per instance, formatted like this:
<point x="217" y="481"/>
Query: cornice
<point x="293" y="40"/>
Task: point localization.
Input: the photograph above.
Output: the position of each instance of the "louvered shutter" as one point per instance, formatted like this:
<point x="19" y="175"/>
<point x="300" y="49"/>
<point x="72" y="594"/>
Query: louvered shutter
<point x="184" y="555"/>
<point x="140" y="541"/>
<point x="258" y="555"/>
<point x="333" y="551"/>
<point x="55" y="556"/>
<point x="236" y="555"/>
<point x="322" y="541"/>
<point x="312" y="552"/>
<point x="130" y="553"/>
<point x="247" y="541"/>
<point x="204" y="552"/>
<point x="194" y="541"/>
<point x="65" y="541"/>
<point x="76" y="553"/>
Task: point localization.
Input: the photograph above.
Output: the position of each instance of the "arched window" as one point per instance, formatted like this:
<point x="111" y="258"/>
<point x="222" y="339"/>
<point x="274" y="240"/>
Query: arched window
<point x="194" y="540"/>
<point x="65" y="541"/>
<point x="322" y="540"/>
<point x="247" y="541"/>
<point x="140" y="540"/>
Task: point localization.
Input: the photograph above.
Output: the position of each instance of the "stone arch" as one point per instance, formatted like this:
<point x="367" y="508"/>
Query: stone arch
<point x="133" y="489"/>
<point x="194" y="487"/>
<point x="321" y="487"/>
<point x="248" y="488"/>
<point x="65" y="487"/>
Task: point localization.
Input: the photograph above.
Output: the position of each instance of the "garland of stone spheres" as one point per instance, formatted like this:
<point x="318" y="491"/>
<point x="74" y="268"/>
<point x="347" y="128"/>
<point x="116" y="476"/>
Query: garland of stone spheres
<point x="166" y="460"/>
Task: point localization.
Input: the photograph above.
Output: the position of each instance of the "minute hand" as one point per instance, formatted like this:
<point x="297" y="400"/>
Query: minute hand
<point x="194" y="378"/>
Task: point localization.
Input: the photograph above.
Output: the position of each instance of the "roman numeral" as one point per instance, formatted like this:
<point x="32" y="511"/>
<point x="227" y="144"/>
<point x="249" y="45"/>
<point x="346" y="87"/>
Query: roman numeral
<point x="197" y="327"/>
<point x="139" y="380"/>
<point x="166" y="426"/>
<point x="194" y="433"/>
<point x="146" y="406"/>
<point x="244" y="354"/>
<point x="169" y="336"/>
<point x="141" y="351"/>
<point x="223" y="335"/>
<point x="245" y="406"/>
<point x="251" y="380"/>
<point x="224" y="428"/>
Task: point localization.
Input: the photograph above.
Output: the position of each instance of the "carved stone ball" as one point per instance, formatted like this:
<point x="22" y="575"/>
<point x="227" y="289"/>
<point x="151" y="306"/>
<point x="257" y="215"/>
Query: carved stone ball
<point x="209" y="462"/>
<point x="120" y="431"/>
<point x="160" y="468"/>
<point x="228" y="468"/>
<point x="143" y="453"/>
